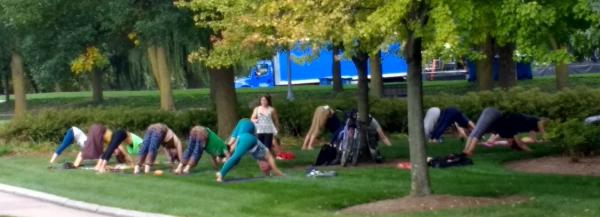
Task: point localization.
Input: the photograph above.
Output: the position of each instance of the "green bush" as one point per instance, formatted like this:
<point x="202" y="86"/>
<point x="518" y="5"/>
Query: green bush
<point x="50" y="125"/>
<point x="575" y="137"/>
<point x="5" y="150"/>
<point x="295" y="117"/>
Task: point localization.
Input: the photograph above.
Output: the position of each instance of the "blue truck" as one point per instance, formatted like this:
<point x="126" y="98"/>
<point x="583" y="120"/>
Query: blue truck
<point x="274" y="72"/>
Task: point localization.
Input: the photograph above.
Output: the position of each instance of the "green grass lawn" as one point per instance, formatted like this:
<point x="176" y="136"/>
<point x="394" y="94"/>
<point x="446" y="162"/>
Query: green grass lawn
<point x="295" y="195"/>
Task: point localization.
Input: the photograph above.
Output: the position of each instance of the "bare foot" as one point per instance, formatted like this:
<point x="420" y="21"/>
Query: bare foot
<point x="219" y="177"/>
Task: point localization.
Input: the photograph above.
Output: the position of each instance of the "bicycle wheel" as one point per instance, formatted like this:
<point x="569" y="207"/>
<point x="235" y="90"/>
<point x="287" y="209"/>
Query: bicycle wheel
<point x="356" y="147"/>
<point x="345" y="146"/>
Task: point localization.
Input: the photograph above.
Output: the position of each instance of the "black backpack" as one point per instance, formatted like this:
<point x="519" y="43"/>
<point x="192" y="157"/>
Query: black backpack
<point x="451" y="160"/>
<point x="327" y="155"/>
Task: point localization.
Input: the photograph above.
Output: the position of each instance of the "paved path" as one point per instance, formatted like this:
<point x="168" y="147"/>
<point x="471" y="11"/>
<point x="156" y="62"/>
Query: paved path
<point x="18" y="206"/>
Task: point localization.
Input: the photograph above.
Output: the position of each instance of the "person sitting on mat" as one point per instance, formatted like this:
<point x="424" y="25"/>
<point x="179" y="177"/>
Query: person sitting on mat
<point x="242" y="141"/>
<point x="124" y="144"/>
<point x="448" y="117"/>
<point x="73" y="135"/>
<point x="202" y="139"/>
<point x="157" y="135"/>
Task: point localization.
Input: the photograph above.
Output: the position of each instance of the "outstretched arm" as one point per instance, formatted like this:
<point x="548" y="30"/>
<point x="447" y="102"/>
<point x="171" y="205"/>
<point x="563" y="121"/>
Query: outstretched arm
<point x="254" y="117"/>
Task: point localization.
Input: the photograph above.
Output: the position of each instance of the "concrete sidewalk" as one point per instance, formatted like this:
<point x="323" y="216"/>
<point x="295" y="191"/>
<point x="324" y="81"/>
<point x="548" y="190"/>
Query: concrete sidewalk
<point x="25" y="202"/>
<point x="13" y="205"/>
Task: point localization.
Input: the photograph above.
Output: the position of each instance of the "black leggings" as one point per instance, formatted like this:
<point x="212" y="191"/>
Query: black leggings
<point x="117" y="138"/>
<point x="266" y="139"/>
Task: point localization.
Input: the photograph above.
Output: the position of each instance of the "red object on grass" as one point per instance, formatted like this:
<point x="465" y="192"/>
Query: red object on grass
<point x="286" y="156"/>
<point x="404" y="165"/>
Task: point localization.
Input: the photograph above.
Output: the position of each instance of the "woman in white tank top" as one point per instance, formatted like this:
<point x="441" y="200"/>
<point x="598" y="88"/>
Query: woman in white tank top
<point x="266" y="120"/>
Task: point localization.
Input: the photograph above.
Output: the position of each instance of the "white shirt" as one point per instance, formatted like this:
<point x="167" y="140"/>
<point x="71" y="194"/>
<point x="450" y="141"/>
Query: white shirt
<point x="79" y="136"/>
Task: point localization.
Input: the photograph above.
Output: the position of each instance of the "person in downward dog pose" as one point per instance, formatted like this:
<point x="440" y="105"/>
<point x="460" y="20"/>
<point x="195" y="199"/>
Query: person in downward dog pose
<point x="202" y="139"/>
<point x="157" y="135"/>
<point x="243" y="140"/>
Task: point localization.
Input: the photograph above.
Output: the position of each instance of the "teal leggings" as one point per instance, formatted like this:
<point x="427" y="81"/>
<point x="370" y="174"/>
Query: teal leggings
<point x="244" y="143"/>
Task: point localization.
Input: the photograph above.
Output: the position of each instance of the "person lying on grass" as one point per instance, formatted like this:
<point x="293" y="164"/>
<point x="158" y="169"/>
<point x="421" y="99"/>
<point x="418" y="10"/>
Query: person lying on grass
<point x="507" y="126"/>
<point x="73" y="135"/>
<point x="442" y="120"/>
<point x="123" y="144"/>
<point x="202" y="139"/>
<point x="157" y="135"/>
<point x="242" y="141"/>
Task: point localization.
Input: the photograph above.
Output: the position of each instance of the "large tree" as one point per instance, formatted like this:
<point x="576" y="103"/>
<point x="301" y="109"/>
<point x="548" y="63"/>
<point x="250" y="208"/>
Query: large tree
<point x="14" y="27"/>
<point x="220" y="54"/>
<point x="545" y="31"/>
<point x="425" y="28"/>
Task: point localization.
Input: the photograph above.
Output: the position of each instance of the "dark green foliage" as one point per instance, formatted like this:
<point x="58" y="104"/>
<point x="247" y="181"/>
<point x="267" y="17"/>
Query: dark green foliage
<point x="575" y="137"/>
<point x="50" y="125"/>
<point x="295" y="117"/>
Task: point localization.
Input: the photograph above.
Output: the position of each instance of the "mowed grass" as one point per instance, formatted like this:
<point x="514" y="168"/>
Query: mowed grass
<point x="200" y="98"/>
<point x="296" y="195"/>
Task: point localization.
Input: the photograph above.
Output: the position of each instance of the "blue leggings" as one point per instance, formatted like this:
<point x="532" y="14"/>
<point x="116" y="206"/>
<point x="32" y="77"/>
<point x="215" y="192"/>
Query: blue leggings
<point x="194" y="151"/>
<point x="149" y="149"/>
<point x="244" y="143"/>
<point x="448" y="117"/>
<point x="67" y="141"/>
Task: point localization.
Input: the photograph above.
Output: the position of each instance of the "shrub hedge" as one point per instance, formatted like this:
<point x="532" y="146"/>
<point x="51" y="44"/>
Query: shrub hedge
<point x="295" y="117"/>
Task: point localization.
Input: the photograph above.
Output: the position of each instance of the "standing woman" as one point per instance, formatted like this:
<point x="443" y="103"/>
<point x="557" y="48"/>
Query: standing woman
<point x="266" y="119"/>
<point x="157" y="135"/>
<point x="124" y="144"/>
<point x="73" y="135"/>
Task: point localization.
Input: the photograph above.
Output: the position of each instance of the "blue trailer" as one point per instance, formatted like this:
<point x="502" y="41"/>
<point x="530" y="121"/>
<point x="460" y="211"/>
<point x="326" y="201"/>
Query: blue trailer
<point x="274" y="72"/>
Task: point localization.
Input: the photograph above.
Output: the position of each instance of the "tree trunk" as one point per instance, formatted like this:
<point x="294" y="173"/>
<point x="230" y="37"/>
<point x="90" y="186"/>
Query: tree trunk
<point x="376" y="76"/>
<point x="338" y="87"/>
<point x="360" y="61"/>
<point x="18" y="76"/>
<point x="97" y="86"/>
<point x="484" y="66"/>
<point x="34" y="85"/>
<point x="562" y="74"/>
<point x="166" y="92"/>
<point x="223" y="90"/>
<point x="507" y="74"/>
<point x="420" y="185"/>
<point x="152" y="50"/>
